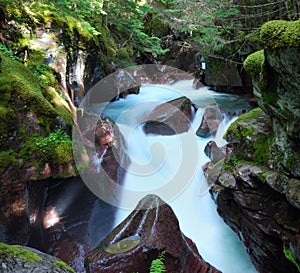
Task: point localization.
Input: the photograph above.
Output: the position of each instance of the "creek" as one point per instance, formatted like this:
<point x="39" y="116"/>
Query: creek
<point x="162" y="158"/>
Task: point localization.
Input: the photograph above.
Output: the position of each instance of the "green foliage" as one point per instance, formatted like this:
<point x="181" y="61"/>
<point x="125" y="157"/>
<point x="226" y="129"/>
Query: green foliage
<point x="43" y="73"/>
<point x="8" y="52"/>
<point x="10" y="251"/>
<point x="125" y="18"/>
<point x="157" y="265"/>
<point x="280" y="34"/>
<point x="288" y="254"/>
<point x="254" y="62"/>
<point x="56" y="148"/>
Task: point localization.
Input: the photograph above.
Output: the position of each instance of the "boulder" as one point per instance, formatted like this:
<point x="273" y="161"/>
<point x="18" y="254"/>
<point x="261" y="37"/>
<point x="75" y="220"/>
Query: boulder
<point x="265" y="220"/>
<point x="21" y="259"/>
<point x="173" y="117"/>
<point x="152" y="228"/>
<point x="211" y="119"/>
<point x="216" y="153"/>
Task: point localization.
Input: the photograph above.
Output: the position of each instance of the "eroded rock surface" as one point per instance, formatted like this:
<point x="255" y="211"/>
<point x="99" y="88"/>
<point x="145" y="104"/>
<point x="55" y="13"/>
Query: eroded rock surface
<point x="141" y="237"/>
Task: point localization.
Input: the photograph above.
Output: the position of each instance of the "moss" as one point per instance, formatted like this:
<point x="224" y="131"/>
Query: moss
<point x="254" y="62"/>
<point x="62" y="265"/>
<point x="123" y="53"/>
<point x="250" y="141"/>
<point x="8" y="158"/>
<point x="11" y="251"/>
<point x="288" y="254"/>
<point x="243" y="119"/>
<point x="281" y="34"/>
<point x="55" y="149"/>
<point x="16" y="78"/>
<point x="262" y="176"/>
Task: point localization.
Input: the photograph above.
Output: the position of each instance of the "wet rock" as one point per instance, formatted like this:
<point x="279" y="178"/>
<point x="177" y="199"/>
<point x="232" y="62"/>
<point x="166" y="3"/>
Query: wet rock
<point x="173" y="117"/>
<point x="67" y="220"/>
<point x="211" y="119"/>
<point x="216" y="153"/>
<point x="293" y="193"/>
<point x="264" y="219"/>
<point x="150" y="229"/>
<point x="15" y="258"/>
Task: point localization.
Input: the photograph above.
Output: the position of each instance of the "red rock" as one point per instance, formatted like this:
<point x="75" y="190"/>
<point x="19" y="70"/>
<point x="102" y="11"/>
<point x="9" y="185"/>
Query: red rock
<point x="211" y="119"/>
<point x="150" y="229"/>
<point x="173" y="117"/>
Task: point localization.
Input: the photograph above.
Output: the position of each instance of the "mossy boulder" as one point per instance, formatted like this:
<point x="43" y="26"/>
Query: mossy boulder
<point x="253" y="63"/>
<point x="281" y="34"/>
<point x="29" y="113"/>
<point x="21" y="259"/>
<point x="252" y="135"/>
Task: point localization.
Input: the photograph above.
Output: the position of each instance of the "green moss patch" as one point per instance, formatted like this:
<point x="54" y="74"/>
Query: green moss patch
<point x="63" y="265"/>
<point x="254" y="62"/>
<point x="252" y="135"/>
<point x="11" y="251"/>
<point x="281" y="34"/>
<point x="17" y="79"/>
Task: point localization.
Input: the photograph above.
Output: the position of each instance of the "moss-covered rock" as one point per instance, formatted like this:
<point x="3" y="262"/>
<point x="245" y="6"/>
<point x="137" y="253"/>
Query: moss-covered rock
<point x="34" y="122"/>
<point x="16" y="258"/>
<point x="264" y="203"/>
<point x="252" y="136"/>
<point x="281" y="34"/>
<point x="253" y="63"/>
<point x="29" y="112"/>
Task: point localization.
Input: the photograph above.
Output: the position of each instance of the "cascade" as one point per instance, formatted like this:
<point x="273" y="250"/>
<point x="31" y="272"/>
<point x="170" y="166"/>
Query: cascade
<point x="155" y="159"/>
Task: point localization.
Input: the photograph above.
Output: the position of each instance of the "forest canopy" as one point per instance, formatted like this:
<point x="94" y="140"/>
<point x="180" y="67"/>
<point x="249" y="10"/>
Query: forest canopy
<point x="222" y="29"/>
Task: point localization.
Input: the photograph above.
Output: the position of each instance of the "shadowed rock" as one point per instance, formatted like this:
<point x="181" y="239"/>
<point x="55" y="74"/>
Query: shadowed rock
<point x="141" y="237"/>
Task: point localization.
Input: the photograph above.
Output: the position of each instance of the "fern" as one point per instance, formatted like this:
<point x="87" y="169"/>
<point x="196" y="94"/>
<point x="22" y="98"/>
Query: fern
<point x="157" y="265"/>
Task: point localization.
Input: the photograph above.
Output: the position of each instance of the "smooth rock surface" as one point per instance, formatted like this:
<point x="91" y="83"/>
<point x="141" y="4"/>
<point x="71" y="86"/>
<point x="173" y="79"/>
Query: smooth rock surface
<point x="141" y="237"/>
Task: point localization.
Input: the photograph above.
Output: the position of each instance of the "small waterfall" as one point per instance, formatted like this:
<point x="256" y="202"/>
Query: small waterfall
<point x="195" y="210"/>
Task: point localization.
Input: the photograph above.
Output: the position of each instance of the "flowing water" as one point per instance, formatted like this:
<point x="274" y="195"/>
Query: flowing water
<point x="158" y="160"/>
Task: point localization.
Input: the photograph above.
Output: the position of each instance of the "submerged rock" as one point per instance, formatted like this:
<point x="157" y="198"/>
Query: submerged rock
<point x="148" y="231"/>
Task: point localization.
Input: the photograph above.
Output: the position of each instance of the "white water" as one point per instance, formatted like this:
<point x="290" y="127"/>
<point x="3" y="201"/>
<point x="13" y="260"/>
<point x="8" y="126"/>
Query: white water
<point x="158" y="159"/>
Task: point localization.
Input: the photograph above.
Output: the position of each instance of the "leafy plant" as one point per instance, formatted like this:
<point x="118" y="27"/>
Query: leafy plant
<point x="43" y="73"/>
<point x="157" y="265"/>
<point x="56" y="148"/>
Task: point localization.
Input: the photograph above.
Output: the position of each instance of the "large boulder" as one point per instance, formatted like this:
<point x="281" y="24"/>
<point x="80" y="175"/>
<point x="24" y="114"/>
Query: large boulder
<point x="173" y="117"/>
<point x="152" y="228"/>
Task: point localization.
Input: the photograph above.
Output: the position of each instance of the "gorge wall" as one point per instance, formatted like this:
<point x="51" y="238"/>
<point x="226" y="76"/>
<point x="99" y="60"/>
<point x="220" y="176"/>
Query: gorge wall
<point x="258" y="184"/>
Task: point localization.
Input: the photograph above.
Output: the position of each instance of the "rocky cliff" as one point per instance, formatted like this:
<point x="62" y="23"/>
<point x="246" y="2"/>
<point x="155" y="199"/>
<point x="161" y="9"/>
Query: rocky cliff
<point x="258" y="184"/>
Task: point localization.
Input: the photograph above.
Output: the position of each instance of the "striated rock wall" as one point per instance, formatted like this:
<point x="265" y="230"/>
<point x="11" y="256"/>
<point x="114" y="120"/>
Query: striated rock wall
<point x="258" y="184"/>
